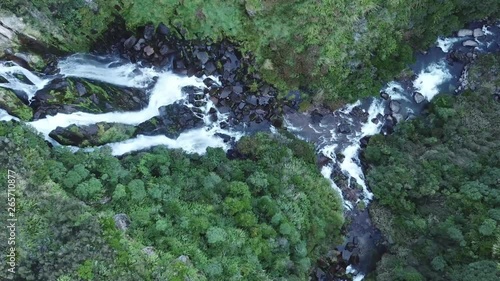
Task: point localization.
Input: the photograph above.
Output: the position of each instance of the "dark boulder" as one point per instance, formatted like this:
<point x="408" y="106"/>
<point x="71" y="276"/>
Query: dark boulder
<point x="316" y="117"/>
<point x="202" y="56"/>
<point x="172" y="120"/>
<point x="149" y="31"/>
<point x="162" y="29"/>
<point x="384" y="95"/>
<point x="418" y="97"/>
<point x="130" y="42"/>
<point x="344" y="129"/>
<point x="395" y="106"/>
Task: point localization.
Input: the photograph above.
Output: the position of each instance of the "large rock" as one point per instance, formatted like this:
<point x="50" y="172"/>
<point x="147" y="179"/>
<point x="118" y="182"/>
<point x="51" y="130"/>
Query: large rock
<point x="173" y="119"/>
<point x="395" y="106"/>
<point x="478" y="32"/>
<point x="418" y="97"/>
<point x="384" y="95"/>
<point x="122" y="221"/>
<point x="11" y="103"/>
<point x="464" y="32"/>
<point x="88" y="96"/>
<point x="470" y="43"/>
<point x="92" y="135"/>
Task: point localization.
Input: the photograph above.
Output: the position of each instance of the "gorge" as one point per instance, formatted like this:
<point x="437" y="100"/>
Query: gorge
<point x="203" y="96"/>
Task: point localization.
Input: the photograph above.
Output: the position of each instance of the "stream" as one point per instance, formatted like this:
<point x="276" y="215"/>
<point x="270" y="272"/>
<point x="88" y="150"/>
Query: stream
<point x="338" y="136"/>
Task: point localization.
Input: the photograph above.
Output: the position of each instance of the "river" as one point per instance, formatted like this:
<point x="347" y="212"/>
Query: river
<point x="338" y="136"/>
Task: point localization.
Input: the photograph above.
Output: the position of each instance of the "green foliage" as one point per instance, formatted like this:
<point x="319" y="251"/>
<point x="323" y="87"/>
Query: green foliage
<point x="266" y="217"/>
<point x="438" y="177"/>
<point x="342" y="49"/>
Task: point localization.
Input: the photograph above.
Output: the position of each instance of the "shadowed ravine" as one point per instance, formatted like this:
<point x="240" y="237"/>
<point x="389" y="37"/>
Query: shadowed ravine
<point x="338" y="136"/>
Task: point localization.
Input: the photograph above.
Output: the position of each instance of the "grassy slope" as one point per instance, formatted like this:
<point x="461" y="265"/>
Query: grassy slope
<point x="339" y="50"/>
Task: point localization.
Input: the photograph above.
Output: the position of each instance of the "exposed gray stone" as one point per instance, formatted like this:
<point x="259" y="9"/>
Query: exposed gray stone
<point x="478" y="32"/>
<point x="122" y="221"/>
<point x="464" y="32"/>
<point x="470" y="43"/>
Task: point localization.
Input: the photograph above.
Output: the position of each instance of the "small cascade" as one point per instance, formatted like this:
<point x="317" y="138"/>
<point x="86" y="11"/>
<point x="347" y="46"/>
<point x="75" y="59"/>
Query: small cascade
<point x="21" y="79"/>
<point x="167" y="90"/>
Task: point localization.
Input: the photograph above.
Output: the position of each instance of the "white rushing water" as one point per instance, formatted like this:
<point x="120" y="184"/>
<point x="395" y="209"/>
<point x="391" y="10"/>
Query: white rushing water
<point x="9" y="70"/>
<point x="113" y="72"/>
<point x="445" y="44"/>
<point x="429" y="79"/>
<point x="5" y="116"/>
<point x="167" y="90"/>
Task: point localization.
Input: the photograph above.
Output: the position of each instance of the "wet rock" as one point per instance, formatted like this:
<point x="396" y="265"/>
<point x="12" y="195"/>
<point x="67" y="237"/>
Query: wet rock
<point x="384" y="95"/>
<point x="344" y="129"/>
<point x="478" y="32"/>
<point x="214" y="100"/>
<point x="80" y="89"/>
<point x="395" y="106"/>
<point x="316" y="117"/>
<point x="210" y="68"/>
<point x="149" y="31"/>
<point x="209" y="82"/>
<point x="92" y="135"/>
<point x="139" y="44"/>
<point x="374" y="121"/>
<point x="202" y="56"/>
<point x="364" y="142"/>
<point x="398" y="117"/>
<point x="464" y="32"/>
<point x="418" y="97"/>
<point x="148" y="50"/>
<point x="172" y="120"/>
<point x="122" y="221"/>
<point x="470" y="43"/>
<point x="224" y="137"/>
<point x="358" y="113"/>
<point x="225" y="93"/>
<point x="164" y="50"/>
<point x="162" y="29"/>
<point x="130" y="42"/>
<point x="252" y="100"/>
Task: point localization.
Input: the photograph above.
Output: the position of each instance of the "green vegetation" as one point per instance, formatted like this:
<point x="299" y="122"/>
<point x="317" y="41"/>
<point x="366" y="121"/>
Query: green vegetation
<point x="268" y="217"/>
<point x="436" y="180"/>
<point x="340" y="50"/>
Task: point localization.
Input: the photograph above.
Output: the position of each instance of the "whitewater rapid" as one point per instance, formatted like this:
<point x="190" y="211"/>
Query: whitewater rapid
<point x="166" y="90"/>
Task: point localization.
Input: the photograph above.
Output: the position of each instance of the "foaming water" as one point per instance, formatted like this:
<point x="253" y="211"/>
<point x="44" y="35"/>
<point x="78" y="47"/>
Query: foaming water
<point x="429" y="79"/>
<point x="107" y="70"/>
<point x="167" y="90"/>
<point x="9" y="70"/>
<point x="4" y="116"/>
<point x="446" y="44"/>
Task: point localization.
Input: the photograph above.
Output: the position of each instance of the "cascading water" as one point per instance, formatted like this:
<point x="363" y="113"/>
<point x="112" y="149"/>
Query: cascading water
<point x="337" y="136"/>
<point x="167" y="90"/>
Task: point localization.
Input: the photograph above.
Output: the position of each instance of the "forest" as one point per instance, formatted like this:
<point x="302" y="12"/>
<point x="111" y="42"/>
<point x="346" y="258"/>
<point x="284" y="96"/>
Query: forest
<point x="165" y="214"/>
<point x="436" y="181"/>
<point x="334" y="51"/>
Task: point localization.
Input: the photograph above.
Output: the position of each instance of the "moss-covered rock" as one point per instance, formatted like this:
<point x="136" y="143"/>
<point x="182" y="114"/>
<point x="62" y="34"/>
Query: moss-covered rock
<point x="88" y="96"/>
<point x="14" y="106"/>
<point x="92" y="135"/>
